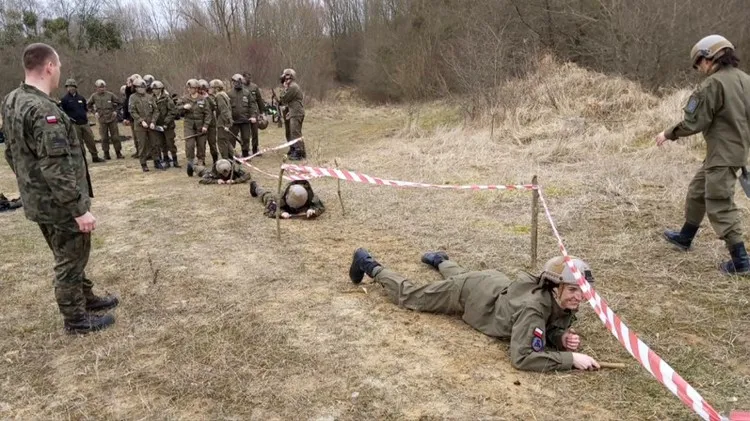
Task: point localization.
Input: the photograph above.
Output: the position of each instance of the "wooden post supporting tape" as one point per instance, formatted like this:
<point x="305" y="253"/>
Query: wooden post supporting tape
<point x="534" y="223"/>
<point x="612" y="365"/>
<point x="278" y="199"/>
<point x="338" y="189"/>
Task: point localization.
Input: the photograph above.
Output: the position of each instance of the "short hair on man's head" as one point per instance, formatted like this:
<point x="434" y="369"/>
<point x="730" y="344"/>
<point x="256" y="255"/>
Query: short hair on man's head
<point x="37" y="55"/>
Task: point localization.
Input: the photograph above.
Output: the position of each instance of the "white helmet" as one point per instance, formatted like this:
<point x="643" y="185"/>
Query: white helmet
<point x="223" y="167"/>
<point x="296" y="196"/>
<point x="100" y="83"/>
<point x="558" y="272"/>
<point x="710" y="47"/>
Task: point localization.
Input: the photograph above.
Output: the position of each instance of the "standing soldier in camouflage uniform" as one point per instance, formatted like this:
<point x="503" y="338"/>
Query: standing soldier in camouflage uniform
<point x="45" y="154"/>
<point x="104" y="104"/>
<point x="225" y="140"/>
<point x="258" y="99"/>
<point x="211" y="133"/>
<point x="127" y="118"/>
<point x="294" y="114"/>
<point x="195" y="123"/>
<point x="76" y="108"/>
<point x="163" y="124"/>
<point x="534" y="312"/>
<point x="720" y="108"/>
<point x="142" y="110"/>
<point x="222" y="171"/>
<point x="297" y="200"/>
<point x="244" y="112"/>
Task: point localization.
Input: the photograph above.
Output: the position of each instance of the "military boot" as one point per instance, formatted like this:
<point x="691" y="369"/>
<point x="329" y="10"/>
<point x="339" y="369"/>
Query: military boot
<point x="88" y="323"/>
<point x="119" y="155"/>
<point x="95" y="158"/>
<point x="144" y="167"/>
<point x="214" y="158"/>
<point x="684" y="238"/>
<point x="434" y="259"/>
<point x="159" y="166"/>
<point x="362" y="263"/>
<point x="165" y="162"/>
<point x="96" y="303"/>
<point x="740" y="263"/>
<point x="135" y="155"/>
<point x="107" y="156"/>
<point x="174" y="161"/>
<point x="190" y="169"/>
<point x="253" y="188"/>
<point x="245" y="153"/>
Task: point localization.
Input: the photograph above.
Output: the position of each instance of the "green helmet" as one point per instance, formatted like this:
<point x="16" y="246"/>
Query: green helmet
<point x="71" y="82"/>
<point x="710" y="47"/>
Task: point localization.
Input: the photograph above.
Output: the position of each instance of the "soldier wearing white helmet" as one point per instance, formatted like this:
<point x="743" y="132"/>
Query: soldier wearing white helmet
<point x="225" y="142"/>
<point x="211" y="133"/>
<point x="293" y="110"/>
<point x="105" y="105"/>
<point x="259" y="107"/>
<point x="297" y="200"/>
<point x="222" y="171"/>
<point x="534" y="312"/>
<point x="244" y="112"/>
<point x="149" y="79"/>
<point x="162" y="124"/>
<point x="720" y="109"/>
<point x="142" y="111"/>
<point x="196" y="119"/>
<point x="127" y="118"/>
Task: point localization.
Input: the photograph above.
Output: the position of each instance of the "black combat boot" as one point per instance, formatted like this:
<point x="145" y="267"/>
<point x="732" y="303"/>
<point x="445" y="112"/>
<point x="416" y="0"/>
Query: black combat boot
<point x="96" y="303"/>
<point x="165" y="162"/>
<point x="144" y="167"/>
<point x="159" y="166"/>
<point x="107" y="156"/>
<point x="683" y="238"/>
<point x="95" y="158"/>
<point x="434" y="258"/>
<point x="253" y="188"/>
<point x="214" y="158"/>
<point x="190" y="169"/>
<point x="362" y="263"/>
<point x="89" y="323"/>
<point x="119" y="155"/>
<point x="174" y="161"/>
<point x="245" y="153"/>
<point x="740" y="263"/>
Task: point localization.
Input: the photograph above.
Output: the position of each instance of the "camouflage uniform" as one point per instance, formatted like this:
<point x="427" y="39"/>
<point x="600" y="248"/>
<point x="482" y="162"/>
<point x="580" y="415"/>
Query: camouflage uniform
<point x="75" y="107"/>
<point x="194" y="120"/>
<point x="212" y="176"/>
<point x="211" y="133"/>
<point x="226" y="142"/>
<point x="142" y="109"/>
<point x="106" y="105"/>
<point x="44" y="152"/>
<point x="292" y="98"/>
<point x="270" y="201"/>
<point x="491" y="303"/>
<point x="165" y="112"/>
<point x="244" y="107"/>
<point x="257" y="98"/>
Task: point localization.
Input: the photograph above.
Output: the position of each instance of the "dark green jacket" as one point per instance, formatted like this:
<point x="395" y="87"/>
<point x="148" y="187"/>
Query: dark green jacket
<point x="211" y="101"/>
<point x="313" y="202"/>
<point x="43" y="151"/>
<point x="223" y="110"/>
<point x="719" y="109"/>
<point x="292" y="98"/>
<point x="212" y="176"/>
<point x="141" y="109"/>
<point x="106" y="104"/>
<point x="165" y="111"/>
<point x="198" y="115"/>
<point x="243" y="104"/>
<point x="520" y="311"/>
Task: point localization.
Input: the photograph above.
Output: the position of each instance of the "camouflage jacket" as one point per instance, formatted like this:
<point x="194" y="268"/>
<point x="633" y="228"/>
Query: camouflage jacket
<point x="313" y="202"/>
<point x="258" y="98"/>
<point x="165" y="111"/>
<point x="223" y="110"/>
<point x="243" y="105"/>
<point x="238" y="175"/>
<point x="43" y="151"/>
<point x="106" y="104"/>
<point x="292" y="98"/>
<point x="141" y="109"/>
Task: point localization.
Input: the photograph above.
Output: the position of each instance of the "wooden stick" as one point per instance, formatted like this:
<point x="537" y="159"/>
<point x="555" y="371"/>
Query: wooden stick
<point x="278" y="200"/>
<point x="338" y="189"/>
<point x="534" y="223"/>
<point x="612" y="365"/>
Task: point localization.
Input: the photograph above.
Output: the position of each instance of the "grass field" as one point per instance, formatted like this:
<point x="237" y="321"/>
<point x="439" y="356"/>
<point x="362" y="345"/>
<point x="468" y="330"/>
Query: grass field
<point x="220" y="320"/>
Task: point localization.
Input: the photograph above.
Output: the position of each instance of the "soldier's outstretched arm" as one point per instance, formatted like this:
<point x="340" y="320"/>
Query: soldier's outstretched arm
<point x="55" y="160"/>
<point x="528" y="345"/>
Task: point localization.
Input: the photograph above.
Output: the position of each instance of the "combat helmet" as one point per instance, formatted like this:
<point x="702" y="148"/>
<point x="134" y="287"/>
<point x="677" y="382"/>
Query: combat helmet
<point x="100" y="83"/>
<point x="71" y="82"/>
<point x="710" y="47"/>
<point x="216" y="84"/>
<point x="203" y="84"/>
<point x="192" y="83"/>
<point x="290" y="73"/>
<point x="296" y="196"/>
<point x="558" y="272"/>
<point x="223" y="167"/>
<point x="157" y="85"/>
<point x="148" y="79"/>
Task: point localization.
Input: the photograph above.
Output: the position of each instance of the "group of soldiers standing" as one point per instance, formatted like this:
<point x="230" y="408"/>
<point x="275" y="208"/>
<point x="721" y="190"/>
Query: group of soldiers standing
<point x="213" y="116"/>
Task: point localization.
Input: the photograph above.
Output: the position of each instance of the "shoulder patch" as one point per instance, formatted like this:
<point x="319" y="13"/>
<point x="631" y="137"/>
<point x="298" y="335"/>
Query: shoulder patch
<point x="692" y="104"/>
<point x="51" y="119"/>
<point x="536" y="344"/>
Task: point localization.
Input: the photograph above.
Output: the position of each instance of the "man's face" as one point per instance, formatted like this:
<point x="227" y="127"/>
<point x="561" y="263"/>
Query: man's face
<point x="157" y="91"/>
<point x="72" y="90"/>
<point x="569" y="296"/>
<point x="237" y="84"/>
<point x="140" y="90"/>
<point x="192" y="91"/>
<point x="101" y="88"/>
<point x="211" y="91"/>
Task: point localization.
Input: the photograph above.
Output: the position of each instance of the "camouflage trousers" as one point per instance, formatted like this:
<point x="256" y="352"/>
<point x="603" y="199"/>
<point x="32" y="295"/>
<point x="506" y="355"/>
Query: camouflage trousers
<point x="109" y="132"/>
<point x="711" y="192"/>
<point x="266" y="197"/>
<point x="436" y="297"/>
<point x="85" y="135"/>
<point x="71" y="249"/>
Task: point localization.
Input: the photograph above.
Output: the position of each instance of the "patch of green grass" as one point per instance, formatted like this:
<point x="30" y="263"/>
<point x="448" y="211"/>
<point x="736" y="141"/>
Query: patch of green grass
<point x="554" y="191"/>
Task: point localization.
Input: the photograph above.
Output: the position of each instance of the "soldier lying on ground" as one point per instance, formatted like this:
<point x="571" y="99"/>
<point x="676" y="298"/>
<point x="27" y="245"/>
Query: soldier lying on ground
<point x="297" y="200"/>
<point x="8" y="205"/>
<point x="534" y="312"/>
<point x="219" y="173"/>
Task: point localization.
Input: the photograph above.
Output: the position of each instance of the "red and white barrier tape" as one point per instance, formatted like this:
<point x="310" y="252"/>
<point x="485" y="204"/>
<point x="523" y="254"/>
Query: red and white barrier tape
<point x="637" y="348"/>
<point x="290" y="177"/>
<point x="271" y="149"/>
<point x="364" y="178"/>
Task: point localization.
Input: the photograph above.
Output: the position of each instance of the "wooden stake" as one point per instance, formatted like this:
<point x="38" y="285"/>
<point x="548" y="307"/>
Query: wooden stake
<point x="278" y="199"/>
<point x="612" y="365"/>
<point x="534" y="223"/>
<point x="338" y="189"/>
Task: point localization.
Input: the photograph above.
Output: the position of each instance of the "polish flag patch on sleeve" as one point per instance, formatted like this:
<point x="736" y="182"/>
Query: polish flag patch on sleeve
<point x="538" y="333"/>
<point x="51" y="119"/>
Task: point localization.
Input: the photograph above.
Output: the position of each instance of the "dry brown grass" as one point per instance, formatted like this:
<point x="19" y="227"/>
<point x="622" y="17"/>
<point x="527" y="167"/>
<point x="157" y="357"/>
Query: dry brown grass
<point x="241" y="326"/>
